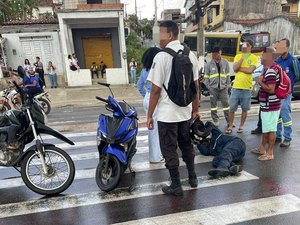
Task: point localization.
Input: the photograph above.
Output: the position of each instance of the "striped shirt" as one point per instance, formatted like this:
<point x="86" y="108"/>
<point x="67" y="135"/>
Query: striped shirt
<point x="269" y="102"/>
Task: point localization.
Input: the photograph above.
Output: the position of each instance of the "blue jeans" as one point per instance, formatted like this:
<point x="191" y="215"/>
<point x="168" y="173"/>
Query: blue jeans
<point x="53" y="80"/>
<point x="285" y="120"/>
<point x="133" y="76"/>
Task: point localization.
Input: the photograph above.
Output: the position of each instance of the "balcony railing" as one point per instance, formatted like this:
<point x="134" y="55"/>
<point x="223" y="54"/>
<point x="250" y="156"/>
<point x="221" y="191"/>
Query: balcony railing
<point x="292" y="15"/>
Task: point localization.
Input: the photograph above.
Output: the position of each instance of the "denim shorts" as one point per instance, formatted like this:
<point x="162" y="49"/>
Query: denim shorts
<point x="240" y="97"/>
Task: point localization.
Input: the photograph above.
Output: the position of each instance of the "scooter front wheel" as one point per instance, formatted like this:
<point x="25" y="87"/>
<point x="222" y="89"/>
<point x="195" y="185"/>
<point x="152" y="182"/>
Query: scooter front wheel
<point x="60" y="171"/>
<point x="108" y="173"/>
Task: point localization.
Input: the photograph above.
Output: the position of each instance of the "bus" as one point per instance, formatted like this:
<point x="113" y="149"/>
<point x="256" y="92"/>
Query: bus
<point x="229" y="42"/>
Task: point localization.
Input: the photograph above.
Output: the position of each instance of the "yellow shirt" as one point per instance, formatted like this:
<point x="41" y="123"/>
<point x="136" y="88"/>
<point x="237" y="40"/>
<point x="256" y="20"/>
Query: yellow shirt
<point x="244" y="80"/>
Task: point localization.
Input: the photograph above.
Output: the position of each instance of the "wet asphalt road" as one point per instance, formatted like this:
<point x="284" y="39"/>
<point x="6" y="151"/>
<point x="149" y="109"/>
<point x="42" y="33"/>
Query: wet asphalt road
<point x="264" y="193"/>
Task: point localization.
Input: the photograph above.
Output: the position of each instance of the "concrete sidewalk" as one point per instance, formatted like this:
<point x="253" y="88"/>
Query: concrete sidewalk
<point x="85" y="96"/>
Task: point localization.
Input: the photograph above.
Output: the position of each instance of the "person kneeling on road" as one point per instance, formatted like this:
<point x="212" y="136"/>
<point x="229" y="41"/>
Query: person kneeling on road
<point x="227" y="149"/>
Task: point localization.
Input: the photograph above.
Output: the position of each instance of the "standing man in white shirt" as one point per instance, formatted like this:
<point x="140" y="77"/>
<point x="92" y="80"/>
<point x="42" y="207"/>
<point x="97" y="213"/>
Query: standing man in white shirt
<point x="173" y="120"/>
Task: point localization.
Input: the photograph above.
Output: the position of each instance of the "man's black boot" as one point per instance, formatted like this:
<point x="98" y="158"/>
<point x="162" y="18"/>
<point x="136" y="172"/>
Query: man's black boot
<point x="175" y="187"/>
<point x="235" y="169"/>
<point x="219" y="172"/>
<point x="193" y="181"/>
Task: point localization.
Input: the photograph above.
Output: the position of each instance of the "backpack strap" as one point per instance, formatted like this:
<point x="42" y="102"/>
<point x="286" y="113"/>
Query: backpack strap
<point x="173" y="54"/>
<point x="169" y="51"/>
<point x="186" y="50"/>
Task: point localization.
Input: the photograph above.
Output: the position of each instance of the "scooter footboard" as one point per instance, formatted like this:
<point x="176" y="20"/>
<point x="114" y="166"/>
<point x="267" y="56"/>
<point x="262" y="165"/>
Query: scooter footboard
<point x="117" y="151"/>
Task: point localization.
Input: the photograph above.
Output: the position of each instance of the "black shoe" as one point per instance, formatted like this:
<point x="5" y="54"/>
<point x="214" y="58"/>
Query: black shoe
<point x="175" y="190"/>
<point x="256" y="131"/>
<point x="193" y="182"/>
<point x="234" y="170"/>
<point x="219" y="172"/>
<point x="278" y="140"/>
<point x="285" y="144"/>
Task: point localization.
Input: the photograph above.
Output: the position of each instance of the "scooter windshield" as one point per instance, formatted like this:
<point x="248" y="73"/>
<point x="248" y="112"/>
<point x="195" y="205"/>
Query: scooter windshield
<point x="120" y="109"/>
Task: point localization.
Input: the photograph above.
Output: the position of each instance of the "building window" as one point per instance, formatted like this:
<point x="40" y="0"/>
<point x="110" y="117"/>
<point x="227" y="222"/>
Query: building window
<point x="94" y="1"/>
<point x="209" y="16"/>
<point x="217" y="10"/>
<point x="286" y="8"/>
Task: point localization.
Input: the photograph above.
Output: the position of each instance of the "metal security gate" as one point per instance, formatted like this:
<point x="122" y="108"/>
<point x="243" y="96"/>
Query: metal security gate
<point x="38" y="46"/>
<point x="97" y="49"/>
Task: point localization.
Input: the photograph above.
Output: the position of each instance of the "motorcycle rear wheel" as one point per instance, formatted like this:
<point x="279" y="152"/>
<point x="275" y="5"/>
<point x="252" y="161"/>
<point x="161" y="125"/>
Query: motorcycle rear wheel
<point x="108" y="180"/>
<point x="61" y="171"/>
<point x="46" y="105"/>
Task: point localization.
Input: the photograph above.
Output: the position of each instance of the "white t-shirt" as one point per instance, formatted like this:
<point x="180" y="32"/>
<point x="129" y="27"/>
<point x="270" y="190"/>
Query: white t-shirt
<point x="159" y="74"/>
<point x="133" y="66"/>
<point x="70" y="61"/>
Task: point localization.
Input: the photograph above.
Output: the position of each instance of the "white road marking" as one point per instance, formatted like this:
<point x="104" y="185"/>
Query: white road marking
<point x="228" y="214"/>
<point x="83" y="134"/>
<point x="92" y="198"/>
<point x="90" y="173"/>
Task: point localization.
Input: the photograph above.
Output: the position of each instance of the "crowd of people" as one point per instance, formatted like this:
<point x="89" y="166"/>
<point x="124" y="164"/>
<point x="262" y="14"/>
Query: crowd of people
<point x="170" y="124"/>
<point x="37" y="70"/>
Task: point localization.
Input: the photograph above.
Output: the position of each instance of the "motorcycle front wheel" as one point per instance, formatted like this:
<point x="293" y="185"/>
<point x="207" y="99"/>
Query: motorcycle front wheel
<point x="46" y="105"/>
<point x="60" y="171"/>
<point x="108" y="179"/>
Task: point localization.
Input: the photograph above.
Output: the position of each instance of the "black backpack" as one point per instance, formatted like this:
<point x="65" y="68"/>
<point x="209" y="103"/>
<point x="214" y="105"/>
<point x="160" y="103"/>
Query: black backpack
<point x="181" y="87"/>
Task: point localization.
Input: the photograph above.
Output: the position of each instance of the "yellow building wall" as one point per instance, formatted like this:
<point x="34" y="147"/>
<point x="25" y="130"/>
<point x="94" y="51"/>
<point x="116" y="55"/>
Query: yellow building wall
<point x="293" y="8"/>
<point x="216" y="19"/>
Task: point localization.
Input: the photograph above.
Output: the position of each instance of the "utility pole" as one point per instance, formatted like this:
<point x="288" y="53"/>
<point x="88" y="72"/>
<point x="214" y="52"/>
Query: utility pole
<point x="155" y="12"/>
<point x="155" y="29"/>
<point x="135" y="8"/>
<point x="200" y="12"/>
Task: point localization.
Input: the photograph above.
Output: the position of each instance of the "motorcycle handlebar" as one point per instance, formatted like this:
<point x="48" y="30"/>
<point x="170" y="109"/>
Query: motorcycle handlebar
<point x="102" y="99"/>
<point x="16" y="85"/>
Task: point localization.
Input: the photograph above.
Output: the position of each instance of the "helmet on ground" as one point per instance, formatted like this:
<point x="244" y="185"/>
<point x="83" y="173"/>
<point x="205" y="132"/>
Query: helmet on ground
<point x="199" y="131"/>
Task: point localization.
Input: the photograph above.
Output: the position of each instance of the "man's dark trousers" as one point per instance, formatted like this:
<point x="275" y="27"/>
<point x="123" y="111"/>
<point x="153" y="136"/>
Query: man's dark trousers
<point x="169" y="135"/>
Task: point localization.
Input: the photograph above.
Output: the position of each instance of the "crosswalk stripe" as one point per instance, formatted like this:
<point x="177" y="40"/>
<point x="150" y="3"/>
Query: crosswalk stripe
<point x="83" y="134"/>
<point x="228" y="214"/>
<point x="143" y="138"/>
<point x="90" y="173"/>
<point x="78" y="144"/>
<point x="92" y="198"/>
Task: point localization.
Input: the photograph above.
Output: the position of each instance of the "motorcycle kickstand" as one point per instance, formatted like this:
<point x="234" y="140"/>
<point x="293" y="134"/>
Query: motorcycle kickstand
<point x="132" y="179"/>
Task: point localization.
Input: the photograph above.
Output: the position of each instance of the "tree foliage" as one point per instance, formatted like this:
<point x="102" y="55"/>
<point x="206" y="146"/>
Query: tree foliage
<point x="134" y="50"/>
<point x="146" y="27"/>
<point x="12" y="10"/>
<point x="141" y="27"/>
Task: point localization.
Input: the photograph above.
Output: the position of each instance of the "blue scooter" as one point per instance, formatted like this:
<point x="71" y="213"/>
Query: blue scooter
<point x="116" y="141"/>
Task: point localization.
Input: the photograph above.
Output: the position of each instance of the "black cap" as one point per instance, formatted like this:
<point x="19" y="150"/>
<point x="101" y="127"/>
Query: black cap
<point x="216" y="50"/>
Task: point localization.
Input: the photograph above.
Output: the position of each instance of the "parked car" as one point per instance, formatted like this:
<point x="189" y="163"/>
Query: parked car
<point x="257" y="72"/>
<point x="255" y="90"/>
